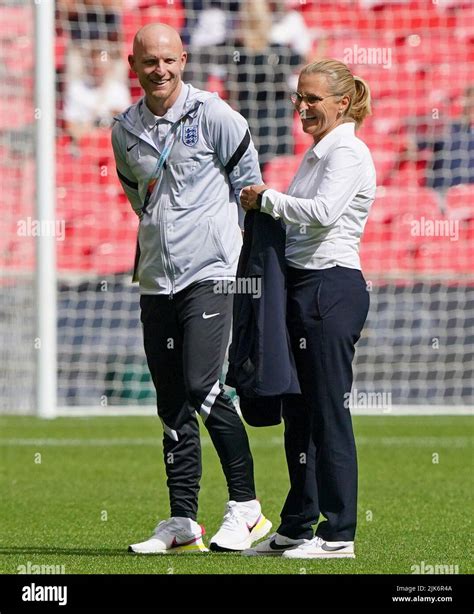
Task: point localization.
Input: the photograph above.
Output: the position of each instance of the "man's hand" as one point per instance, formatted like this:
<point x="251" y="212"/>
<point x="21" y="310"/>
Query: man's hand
<point x="249" y="196"/>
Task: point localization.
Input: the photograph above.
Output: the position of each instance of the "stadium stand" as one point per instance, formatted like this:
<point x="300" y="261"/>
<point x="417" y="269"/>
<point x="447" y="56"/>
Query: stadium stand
<point x="418" y="58"/>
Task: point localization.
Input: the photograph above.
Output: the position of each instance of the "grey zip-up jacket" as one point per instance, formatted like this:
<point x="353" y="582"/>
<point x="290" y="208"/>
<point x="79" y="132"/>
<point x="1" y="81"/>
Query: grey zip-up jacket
<point x="189" y="229"/>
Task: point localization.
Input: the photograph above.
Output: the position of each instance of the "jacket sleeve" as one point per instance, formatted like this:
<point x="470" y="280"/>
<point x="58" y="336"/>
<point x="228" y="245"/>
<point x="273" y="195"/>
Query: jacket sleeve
<point x="228" y="134"/>
<point x="125" y="175"/>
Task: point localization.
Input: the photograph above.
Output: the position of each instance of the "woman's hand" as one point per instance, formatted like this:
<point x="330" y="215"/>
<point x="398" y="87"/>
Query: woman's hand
<point x="249" y="195"/>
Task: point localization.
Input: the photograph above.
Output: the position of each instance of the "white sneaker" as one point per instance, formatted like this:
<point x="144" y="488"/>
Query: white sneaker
<point x="318" y="548"/>
<point x="243" y="524"/>
<point x="275" y="545"/>
<point x="173" y="536"/>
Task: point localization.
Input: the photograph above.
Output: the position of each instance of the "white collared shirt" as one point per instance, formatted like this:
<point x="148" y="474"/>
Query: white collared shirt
<point x="328" y="202"/>
<point x="159" y="126"/>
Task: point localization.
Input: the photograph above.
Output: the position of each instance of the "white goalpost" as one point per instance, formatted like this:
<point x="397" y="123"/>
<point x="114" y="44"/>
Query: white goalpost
<point x="46" y="278"/>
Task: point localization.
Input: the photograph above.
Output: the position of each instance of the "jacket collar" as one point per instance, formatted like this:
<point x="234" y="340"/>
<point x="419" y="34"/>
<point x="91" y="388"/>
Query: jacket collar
<point x="132" y="121"/>
<point x="321" y="149"/>
<point x="172" y="114"/>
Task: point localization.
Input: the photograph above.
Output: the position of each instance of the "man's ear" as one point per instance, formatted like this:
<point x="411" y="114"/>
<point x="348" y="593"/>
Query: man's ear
<point x="131" y="62"/>
<point x="184" y="57"/>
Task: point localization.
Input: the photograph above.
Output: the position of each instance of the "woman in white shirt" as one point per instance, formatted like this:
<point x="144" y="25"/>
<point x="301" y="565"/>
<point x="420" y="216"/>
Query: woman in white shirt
<point x="325" y="212"/>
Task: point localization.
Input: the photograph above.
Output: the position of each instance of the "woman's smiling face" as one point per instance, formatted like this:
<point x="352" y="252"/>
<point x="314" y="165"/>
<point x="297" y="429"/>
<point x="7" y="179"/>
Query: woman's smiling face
<point x="326" y="112"/>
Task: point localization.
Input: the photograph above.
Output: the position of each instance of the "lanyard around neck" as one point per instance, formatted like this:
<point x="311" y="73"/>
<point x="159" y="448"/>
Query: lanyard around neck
<point x="169" y="142"/>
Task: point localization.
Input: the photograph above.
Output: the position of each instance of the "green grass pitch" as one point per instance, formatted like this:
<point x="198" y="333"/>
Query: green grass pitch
<point x="77" y="491"/>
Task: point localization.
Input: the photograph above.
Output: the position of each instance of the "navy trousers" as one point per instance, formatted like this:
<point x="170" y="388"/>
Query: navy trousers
<point x="185" y="342"/>
<point x="326" y="311"/>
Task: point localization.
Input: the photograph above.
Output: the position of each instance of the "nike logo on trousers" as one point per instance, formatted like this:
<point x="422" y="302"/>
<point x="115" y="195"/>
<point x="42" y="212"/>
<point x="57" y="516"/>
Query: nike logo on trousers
<point x="206" y="316"/>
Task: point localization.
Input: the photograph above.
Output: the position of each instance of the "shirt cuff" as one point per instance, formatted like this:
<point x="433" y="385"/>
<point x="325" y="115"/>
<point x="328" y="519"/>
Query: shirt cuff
<point x="259" y="199"/>
<point x="268" y="203"/>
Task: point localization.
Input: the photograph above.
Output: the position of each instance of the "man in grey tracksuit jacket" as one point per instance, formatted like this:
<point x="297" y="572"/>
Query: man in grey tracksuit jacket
<point x="189" y="230"/>
<point x="182" y="172"/>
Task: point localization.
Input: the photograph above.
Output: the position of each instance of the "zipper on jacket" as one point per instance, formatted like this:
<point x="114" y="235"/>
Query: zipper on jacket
<point x="167" y="264"/>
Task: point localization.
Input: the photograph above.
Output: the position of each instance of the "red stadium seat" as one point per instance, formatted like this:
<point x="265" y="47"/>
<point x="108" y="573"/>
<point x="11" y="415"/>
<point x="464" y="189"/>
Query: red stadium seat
<point x="101" y="227"/>
<point x="398" y="18"/>
<point x="16" y="113"/>
<point x="460" y="202"/>
<point x="396" y="81"/>
<point x="151" y="11"/>
<point x="457" y="4"/>
<point x="279" y="172"/>
<point x="17" y="253"/>
<point x="302" y="141"/>
<point x="408" y="199"/>
<point x="406" y="232"/>
<point x="393" y="235"/>
<point x="446" y="257"/>
<point x="17" y="21"/>
<point x="169" y="12"/>
<point x="385" y="162"/>
<point x="387" y="250"/>
<point x="464" y="17"/>
<point x="85" y="173"/>
<point x="410" y="172"/>
<point x="387" y="117"/>
<point x="397" y="143"/>
<point x="102" y="241"/>
<point x="450" y="79"/>
<point x="394" y="209"/>
<point x="428" y="48"/>
<point x="410" y="17"/>
<point x="359" y="49"/>
<point x="324" y="16"/>
<point x="17" y="195"/>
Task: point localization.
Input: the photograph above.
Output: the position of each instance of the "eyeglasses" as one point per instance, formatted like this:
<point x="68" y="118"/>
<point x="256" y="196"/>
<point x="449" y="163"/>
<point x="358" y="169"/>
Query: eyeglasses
<point x="297" y="98"/>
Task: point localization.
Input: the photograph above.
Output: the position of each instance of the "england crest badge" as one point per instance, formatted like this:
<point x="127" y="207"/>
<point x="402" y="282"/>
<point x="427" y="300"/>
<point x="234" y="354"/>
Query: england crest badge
<point x="190" y="135"/>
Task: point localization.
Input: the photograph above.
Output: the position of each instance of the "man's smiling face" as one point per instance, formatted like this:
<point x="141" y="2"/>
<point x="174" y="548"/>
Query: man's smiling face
<point x="158" y="60"/>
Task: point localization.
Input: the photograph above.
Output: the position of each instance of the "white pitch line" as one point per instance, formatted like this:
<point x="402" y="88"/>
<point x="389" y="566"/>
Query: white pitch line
<point x="149" y="441"/>
<point x="395" y="410"/>
<point x="408" y="441"/>
<point x="78" y="442"/>
<point x="417" y="442"/>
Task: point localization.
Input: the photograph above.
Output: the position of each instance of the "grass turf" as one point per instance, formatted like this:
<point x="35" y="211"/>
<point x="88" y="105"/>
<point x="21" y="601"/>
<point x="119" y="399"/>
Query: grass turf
<point x="100" y="485"/>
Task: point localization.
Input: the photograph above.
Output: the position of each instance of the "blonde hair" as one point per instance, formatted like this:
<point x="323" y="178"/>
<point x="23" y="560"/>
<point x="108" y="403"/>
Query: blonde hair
<point x="342" y="82"/>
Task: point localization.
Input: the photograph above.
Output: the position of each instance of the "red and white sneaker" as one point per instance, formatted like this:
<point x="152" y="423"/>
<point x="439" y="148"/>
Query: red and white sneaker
<point x="176" y="535"/>
<point x="243" y="525"/>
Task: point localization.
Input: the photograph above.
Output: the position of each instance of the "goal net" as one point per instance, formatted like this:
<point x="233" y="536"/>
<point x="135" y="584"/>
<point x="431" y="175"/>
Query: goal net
<point x="417" y="251"/>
